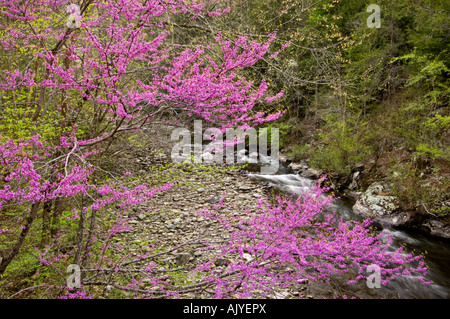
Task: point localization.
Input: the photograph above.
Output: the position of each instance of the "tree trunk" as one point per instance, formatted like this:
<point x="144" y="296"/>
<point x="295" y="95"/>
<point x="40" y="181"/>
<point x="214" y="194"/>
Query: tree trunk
<point x="80" y="234"/>
<point x="57" y="211"/>
<point x="46" y="212"/>
<point x="90" y="237"/>
<point x="16" y="247"/>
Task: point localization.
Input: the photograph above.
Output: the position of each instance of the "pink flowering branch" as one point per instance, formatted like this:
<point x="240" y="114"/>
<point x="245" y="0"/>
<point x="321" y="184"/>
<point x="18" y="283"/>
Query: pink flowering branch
<point x="302" y="236"/>
<point x="24" y="184"/>
<point x="282" y="244"/>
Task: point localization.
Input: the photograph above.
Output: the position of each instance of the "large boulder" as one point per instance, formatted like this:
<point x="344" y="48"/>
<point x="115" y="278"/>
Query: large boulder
<point x="311" y="173"/>
<point x="438" y="228"/>
<point x="376" y="205"/>
<point x="298" y="167"/>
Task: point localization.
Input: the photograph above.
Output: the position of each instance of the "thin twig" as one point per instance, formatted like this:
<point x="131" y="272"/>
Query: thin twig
<point x="22" y="290"/>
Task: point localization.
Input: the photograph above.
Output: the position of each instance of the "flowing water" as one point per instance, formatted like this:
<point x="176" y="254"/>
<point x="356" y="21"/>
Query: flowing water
<point x="436" y="251"/>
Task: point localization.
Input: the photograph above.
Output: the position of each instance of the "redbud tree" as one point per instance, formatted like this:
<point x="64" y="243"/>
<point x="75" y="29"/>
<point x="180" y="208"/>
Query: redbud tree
<point x="78" y="74"/>
<point x="100" y="69"/>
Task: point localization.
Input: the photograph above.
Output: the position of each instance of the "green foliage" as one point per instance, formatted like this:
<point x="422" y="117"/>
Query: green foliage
<point x="424" y="149"/>
<point x="367" y="92"/>
<point x="23" y="266"/>
<point x="438" y="123"/>
<point x="16" y="123"/>
<point x="283" y="132"/>
<point x="415" y="190"/>
<point x="299" y="152"/>
<point x="135" y="141"/>
<point x="341" y="145"/>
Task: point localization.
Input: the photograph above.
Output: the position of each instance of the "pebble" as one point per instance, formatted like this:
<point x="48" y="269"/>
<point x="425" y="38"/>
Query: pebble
<point x="213" y="200"/>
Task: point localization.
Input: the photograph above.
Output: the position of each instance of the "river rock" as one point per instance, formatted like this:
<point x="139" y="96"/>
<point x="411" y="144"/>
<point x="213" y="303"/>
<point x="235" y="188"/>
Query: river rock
<point x="360" y="209"/>
<point x="438" y="228"/>
<point x="354" y="195"/>
<point x="311" y="173"/>
<point x="379" y="207"/>
<point x="296" y="167"/>
<point x="376" y="201"/>
<point x="245" y="188"/>
<point x="213" y="200"/>
<point x="396" y="219"/>
<point x="283" y="158"/>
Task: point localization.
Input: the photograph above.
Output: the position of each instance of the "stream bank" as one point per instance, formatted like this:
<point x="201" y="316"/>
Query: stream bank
<point x="373" y="199"/>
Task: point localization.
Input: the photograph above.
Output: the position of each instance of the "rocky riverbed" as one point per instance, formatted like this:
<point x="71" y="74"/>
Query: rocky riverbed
<point x="172" y="218"/>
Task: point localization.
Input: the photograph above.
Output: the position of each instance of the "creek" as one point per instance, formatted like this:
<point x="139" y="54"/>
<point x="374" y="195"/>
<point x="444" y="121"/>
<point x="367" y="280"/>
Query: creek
<point x="435" y="250"/>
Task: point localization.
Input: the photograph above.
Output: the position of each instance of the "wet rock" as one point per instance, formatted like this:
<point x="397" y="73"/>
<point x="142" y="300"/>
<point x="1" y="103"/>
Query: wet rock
<point x="253" y="167"/>
<point x="438" y="228"/>
<point x="296" y="167"/>
<point x="397" y="219"/>
<point x="311" y="173"/>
